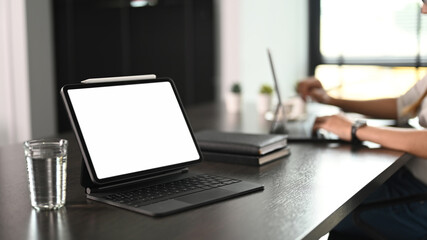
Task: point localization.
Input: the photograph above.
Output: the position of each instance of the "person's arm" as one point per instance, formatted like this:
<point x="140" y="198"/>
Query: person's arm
<point x="408" y="140"/>
<point x="381" y="108"/>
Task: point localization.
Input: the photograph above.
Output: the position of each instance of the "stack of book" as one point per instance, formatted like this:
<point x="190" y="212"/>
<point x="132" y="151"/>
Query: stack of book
<point x="242" y="148"/>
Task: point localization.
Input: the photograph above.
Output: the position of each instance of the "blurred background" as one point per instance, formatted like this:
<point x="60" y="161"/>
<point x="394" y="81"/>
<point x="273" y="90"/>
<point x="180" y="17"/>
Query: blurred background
<point x="366" y="49"/>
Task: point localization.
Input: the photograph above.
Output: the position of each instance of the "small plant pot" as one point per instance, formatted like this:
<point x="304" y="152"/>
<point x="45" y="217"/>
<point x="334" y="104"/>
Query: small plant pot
<point x="264" y="103"/>
<point x="233" y="102"/>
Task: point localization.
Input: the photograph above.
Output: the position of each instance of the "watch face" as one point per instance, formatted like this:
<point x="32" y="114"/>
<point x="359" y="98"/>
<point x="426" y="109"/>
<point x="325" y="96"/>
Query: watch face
<point x="360" y="123"/>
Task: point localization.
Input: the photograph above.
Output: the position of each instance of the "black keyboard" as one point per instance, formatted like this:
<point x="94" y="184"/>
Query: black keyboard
<point x="157" y="193"/>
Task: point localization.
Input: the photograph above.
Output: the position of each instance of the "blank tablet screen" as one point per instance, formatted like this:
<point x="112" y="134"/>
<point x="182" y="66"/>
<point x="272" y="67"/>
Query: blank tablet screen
<point x="132" y="128"/>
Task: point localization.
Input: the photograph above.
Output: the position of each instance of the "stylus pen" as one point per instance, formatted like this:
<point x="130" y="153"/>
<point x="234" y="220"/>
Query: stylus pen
<point x="120" y="79"/>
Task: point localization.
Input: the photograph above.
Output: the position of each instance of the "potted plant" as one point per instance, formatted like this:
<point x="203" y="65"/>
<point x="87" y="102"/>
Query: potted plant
<point x="234" y="97"/>
<point x="264" y="98"/>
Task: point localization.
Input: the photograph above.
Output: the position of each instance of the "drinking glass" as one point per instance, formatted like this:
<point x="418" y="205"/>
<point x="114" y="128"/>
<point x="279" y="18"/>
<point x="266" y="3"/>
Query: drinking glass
<point x="47" y="172"/>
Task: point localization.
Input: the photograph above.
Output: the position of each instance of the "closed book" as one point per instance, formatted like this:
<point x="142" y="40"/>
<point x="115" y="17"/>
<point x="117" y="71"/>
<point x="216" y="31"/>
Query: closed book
<point x="246" y="159"/>
<point x="240" y="143"/>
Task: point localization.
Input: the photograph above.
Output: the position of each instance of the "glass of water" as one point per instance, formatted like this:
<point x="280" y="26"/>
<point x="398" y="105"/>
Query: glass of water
<point x="47" y="172"/>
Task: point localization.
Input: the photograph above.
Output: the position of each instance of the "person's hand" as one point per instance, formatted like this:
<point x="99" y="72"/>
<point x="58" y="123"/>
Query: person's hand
<point x="336" y="124"/>
<point x="312" y="87"/>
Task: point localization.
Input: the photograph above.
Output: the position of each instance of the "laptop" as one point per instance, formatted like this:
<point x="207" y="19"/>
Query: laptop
<point x="300" y="129"/>
<point x="137" y="145"/>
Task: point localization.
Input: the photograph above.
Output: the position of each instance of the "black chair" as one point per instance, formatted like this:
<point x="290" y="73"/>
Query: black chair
<point x="368" y="229"/>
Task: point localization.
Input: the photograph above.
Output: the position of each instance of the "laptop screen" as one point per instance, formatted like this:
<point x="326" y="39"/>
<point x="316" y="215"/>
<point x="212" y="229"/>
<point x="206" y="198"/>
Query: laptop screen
<point x="130" y="128"/>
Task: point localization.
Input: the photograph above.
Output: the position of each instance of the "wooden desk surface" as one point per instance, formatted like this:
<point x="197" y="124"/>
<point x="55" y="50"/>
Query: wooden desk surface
<point x="305" y="196"/>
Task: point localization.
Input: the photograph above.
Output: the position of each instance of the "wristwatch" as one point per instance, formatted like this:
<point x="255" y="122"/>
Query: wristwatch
<point x="356" y="125"/>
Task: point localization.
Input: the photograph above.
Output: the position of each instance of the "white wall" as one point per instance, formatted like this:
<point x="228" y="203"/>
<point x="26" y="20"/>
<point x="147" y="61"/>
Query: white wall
<point x="228" y="41"/>
<point x="27" y="103"/>
<point x="247" y="28"/>
<point x="14" y="91"/>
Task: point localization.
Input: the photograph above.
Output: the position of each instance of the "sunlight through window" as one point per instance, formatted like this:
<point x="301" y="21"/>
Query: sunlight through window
<point x="371" y="49"/>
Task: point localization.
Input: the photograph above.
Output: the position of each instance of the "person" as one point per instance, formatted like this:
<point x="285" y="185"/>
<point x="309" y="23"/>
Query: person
<point x="400" y="221"/>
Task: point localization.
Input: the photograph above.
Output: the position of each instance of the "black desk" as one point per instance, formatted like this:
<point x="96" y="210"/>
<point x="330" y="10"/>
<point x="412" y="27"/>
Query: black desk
<point x="305" y="196"/>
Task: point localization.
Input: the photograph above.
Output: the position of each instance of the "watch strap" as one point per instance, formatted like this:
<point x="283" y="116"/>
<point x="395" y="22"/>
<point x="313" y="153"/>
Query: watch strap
<point x="356" y="125"/>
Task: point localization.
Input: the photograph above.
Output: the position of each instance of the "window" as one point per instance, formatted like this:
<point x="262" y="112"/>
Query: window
<point x="369" y="49"/>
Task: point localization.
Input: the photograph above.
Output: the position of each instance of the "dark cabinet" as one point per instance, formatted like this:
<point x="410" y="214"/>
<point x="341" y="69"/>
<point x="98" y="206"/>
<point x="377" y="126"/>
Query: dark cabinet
<point x="104" y="38"/>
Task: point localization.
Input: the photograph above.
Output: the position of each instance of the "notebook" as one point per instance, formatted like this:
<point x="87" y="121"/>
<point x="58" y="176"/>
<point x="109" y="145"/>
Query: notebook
<point x="239" y="143"/>
<point x="254" y="160"/>
<point x="297" y="130"/>
<point x="137" y="145"/>
<point x="242" y="148"/>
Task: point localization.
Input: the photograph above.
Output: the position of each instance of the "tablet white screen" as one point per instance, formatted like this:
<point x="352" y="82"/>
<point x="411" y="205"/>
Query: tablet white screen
<point x="132" y="128"/>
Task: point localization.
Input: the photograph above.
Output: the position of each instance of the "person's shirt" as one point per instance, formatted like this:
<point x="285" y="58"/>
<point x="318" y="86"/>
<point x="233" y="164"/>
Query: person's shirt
<point x="417" y="166"/>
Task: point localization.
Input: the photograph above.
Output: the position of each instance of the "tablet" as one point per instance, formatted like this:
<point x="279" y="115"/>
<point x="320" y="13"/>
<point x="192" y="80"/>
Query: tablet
<point x="130" y="129"/>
